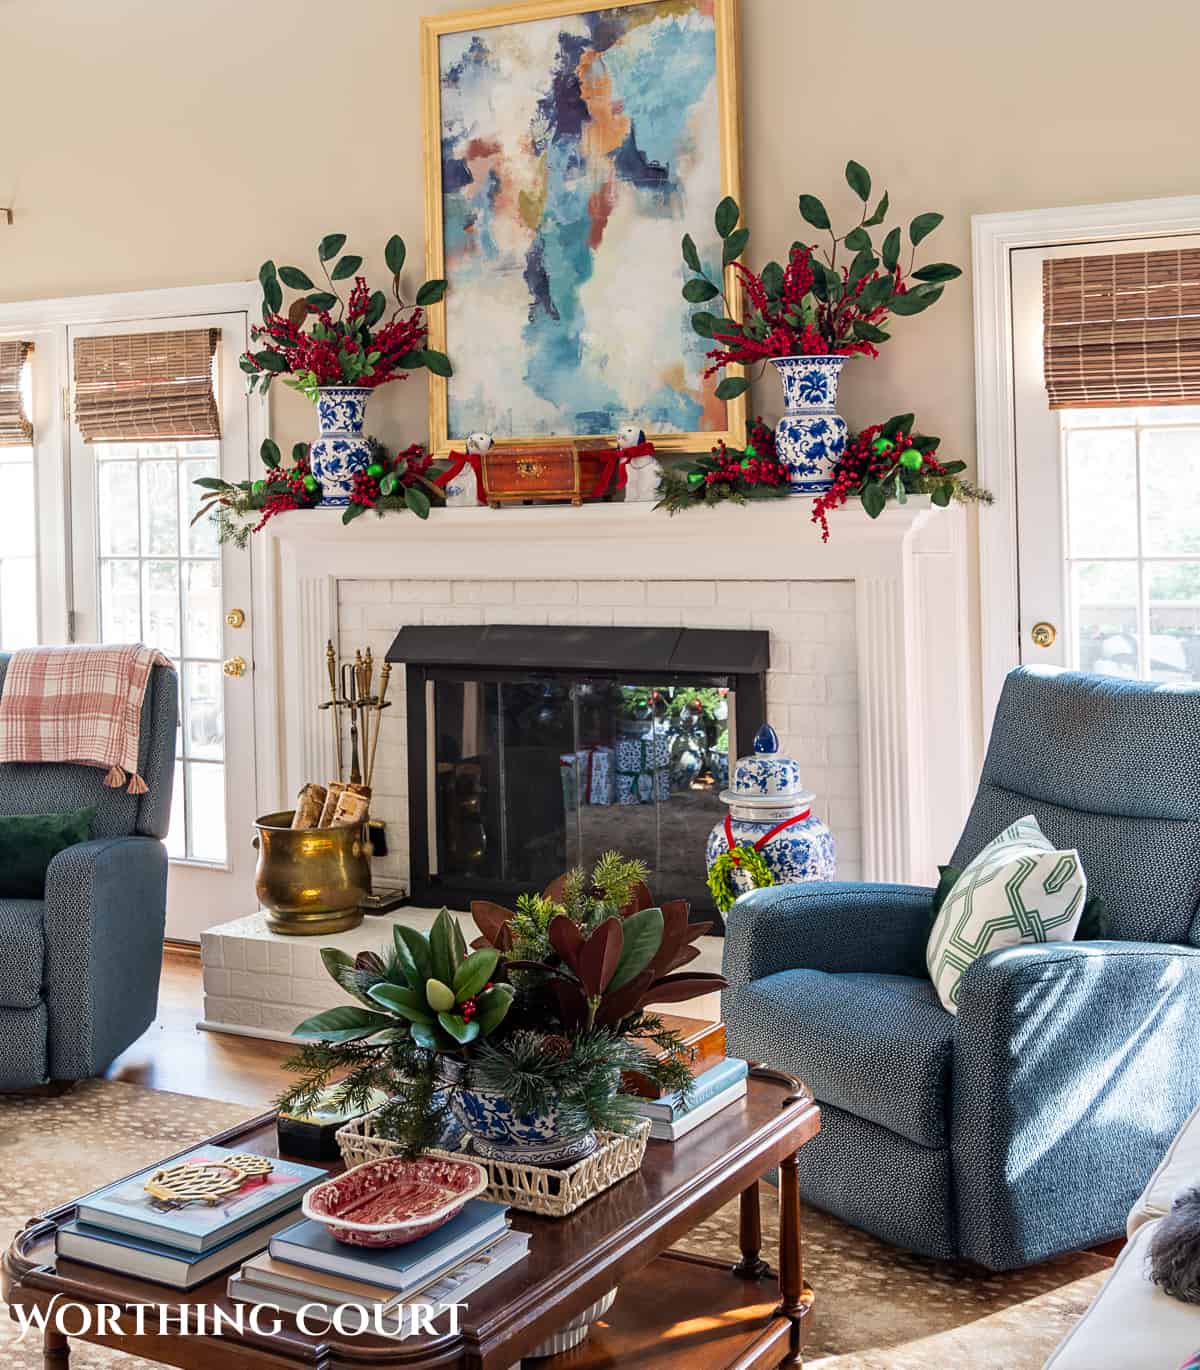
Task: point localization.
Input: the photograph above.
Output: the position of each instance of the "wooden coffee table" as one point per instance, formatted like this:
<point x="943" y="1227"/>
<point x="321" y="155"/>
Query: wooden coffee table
<point x="673" y="1311"/>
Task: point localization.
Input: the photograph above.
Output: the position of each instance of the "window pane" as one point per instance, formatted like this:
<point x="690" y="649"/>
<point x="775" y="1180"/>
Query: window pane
<point x="160" y="605"/>
<point x="18" y="603"/>
<point x="206" y="811"/>
<point x="160" y="514"/>
<point x="18" y="521"/>
<point x="117" y="508"/>
<point x="1174" y="649"/>
<point x="177" y="833"/>
<point x="203" y="709"/>
<point x="1105" y="598"/>
<point x="1102" y="492"/>
<point x="120" y="602"/>
<point x="202" y="608"/>
<point x="199" y="539"/>
<point x="1171" y="491"/>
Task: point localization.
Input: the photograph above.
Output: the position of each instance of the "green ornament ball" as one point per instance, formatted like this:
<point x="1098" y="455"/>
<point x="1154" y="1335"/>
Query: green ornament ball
<point x="695" y="477"/>
<point x="911" y="460"/>
<point x="375" y="470"/>
<point x="745" y="463"/>
<point x="882" y="446"/>
<point x="750" y="452"/>
<point x="310" y="483"/>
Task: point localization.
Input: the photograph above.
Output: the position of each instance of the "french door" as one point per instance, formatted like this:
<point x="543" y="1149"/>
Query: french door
<point x="143" y="571"/>
<point x="1108" y="512"/>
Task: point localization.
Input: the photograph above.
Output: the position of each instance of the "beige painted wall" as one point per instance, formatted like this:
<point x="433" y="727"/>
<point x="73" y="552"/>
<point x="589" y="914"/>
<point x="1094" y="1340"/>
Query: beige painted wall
<point x="156" y="142"/>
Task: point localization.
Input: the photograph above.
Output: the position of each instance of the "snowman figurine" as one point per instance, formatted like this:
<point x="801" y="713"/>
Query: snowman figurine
<point x="642" y="471"/>
<point x="463" y="490"/>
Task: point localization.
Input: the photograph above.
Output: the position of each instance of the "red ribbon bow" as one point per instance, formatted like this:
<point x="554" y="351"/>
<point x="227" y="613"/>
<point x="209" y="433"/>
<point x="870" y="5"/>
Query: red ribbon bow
<point x="457" y="461"/>
<point x="616" y="462"/>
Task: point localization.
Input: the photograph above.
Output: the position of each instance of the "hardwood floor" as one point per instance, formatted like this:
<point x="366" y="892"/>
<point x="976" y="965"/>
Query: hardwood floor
<point x="173" y="1055"/>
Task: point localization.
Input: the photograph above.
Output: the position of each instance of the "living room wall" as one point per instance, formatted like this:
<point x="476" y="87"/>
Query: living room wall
<point x="222" y="133"/>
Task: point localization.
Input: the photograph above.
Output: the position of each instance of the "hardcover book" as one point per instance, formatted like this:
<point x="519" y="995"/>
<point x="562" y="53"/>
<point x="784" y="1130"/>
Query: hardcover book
<point x="237" y="1198"/>
<point x="670" y="1107"/>
<point x="663" y="1131"/>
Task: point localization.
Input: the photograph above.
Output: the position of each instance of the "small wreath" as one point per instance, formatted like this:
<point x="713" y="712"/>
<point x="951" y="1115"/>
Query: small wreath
<point x="746" y="859"/>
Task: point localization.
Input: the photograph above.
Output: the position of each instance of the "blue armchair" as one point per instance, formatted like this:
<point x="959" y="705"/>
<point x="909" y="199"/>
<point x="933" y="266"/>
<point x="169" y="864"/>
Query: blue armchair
<point x="1027" y="1125"/>
<point x="79" y="969"/>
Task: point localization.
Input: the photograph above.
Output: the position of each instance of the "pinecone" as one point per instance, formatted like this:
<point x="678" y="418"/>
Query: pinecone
<point x="556" y="1046"/>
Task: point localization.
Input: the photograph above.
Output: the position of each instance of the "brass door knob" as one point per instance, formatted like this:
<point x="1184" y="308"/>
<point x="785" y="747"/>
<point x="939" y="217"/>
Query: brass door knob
<point x="236" y="618"/>
<point x="235" y="666"/>
<point x="1043" y="634"/>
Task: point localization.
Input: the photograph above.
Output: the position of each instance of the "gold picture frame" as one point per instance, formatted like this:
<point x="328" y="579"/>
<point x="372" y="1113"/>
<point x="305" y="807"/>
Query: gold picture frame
<point x="726" y="23"/>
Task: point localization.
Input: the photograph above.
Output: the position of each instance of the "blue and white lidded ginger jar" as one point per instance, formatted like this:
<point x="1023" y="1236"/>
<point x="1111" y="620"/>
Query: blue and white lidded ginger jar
<point x="341" y="450"/>
<point x="769" y="808"/>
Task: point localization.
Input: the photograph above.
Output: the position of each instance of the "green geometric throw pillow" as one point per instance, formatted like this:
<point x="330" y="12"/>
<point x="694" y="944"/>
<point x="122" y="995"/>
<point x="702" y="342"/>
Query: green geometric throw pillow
<point x="1018" y="889"/>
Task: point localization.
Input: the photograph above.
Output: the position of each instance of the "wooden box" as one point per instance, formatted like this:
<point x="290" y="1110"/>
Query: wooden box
<point x="532" y="473"/>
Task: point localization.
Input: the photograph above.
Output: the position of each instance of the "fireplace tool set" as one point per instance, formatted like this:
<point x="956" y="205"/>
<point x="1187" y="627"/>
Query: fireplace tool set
<point x="314" y="873"/>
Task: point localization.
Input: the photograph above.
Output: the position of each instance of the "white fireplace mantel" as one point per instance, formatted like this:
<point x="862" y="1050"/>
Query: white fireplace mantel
<point x="915" y="718"/>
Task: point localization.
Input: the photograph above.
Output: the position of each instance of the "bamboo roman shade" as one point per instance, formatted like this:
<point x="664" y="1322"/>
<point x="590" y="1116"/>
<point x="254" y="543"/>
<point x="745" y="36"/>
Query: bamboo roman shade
<point x="16" y="430"/>
<point x="1122" y="330"/>
<point x="134" y="386"/>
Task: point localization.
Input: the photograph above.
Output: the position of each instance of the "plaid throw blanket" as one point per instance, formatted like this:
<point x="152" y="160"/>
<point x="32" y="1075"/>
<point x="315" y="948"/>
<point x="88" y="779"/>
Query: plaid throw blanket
<point x="78" y="704"/>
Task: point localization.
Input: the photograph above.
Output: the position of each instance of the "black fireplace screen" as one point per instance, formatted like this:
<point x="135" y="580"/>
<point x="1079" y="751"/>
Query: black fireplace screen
<point x="517" y="774"/>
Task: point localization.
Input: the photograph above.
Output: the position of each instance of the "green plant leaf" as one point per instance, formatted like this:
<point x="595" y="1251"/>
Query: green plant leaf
<point x="863" y="264"/>
<point x="352" y="512"/>
<point x="728" y="327"/>
<point x="731" y="387"/>
<point x="268" y="454"/>
<point x="890" y="251"/>
<point x="868" y="332"/>
<point x="299" y="452"/>
<point x="880" y="214"/>
<point x="431" y="292"/>
<point x="916" y="300"/>
<point x="491" y="1007"/>
<point x="814" y="211"/>
<point x="922" y="226"/>
<point x="874" y="499"/>
<point x="425" y="1036"/>
<point x="271" y="361"/>
<point x="858" y="240"/>
<point x="937" y="271"/>
<point x="942" y="494"/>
<point x="322" y="300"/>
<point x="702" y="323"/>
<point x="408" y="1003"/>
<point x="441" y="948"/>
<point x="858" y="178"/>
<point x="735" y="245"/>
<point x="345" y="266"/>
<point x="212" y="483"/>
<point x="897" y="424"/>
<point x="346" y="1023"/>
<point x="417" y="501"/>
<point x="416" y="952"/>
<point x="336" y="963"/>
<point x="437" y="362"/>
<point x="387" y="486"/>
<point x="474" y="973"/>
<point x="690" y="256"/>
<point x="458" y="1027"/>
<point x="330" y="245"/>
<point x="726" y="217"/>
<point x="643" y="937"/>
<point x="375" y="308"/>
<point x="294" y="278"/>
<point x="266" y="274"/>
<point x="772" y="279"/>
<point x="698" y="290"/>
<point x="394" y="254"/>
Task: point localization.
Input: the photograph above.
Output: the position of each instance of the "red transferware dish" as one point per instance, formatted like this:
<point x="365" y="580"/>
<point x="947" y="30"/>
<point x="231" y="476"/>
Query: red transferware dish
<point x="393" y="1201"/>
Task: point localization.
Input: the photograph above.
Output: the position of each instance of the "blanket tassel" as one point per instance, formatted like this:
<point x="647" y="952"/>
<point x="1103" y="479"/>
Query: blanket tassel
<point x="115" y="778"/>
<point x="137" y="785"/>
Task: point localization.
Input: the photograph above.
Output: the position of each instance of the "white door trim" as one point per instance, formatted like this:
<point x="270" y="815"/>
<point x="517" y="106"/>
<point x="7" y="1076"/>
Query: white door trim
<point x="994" y="237"/>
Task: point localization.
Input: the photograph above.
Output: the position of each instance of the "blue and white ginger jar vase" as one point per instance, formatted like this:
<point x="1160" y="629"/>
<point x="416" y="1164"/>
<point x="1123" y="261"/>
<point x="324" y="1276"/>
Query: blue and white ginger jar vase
<point x="770" y="808"/>
<point x="341" y="450"/>
<point x="810" y="439"/>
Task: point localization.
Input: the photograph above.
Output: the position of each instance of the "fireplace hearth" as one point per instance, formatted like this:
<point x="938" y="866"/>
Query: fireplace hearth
<point x="533" y="749"/>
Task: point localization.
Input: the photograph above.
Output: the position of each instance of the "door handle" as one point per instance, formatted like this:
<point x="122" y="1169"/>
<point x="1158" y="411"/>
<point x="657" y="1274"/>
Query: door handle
<point x="236" y="618"/>
<point x="1043" y="634"/>
<point x="235" y="666"/>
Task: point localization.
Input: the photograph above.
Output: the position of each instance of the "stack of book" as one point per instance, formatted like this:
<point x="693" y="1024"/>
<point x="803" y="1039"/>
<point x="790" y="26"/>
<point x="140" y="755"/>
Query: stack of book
<point x="180" y="1242"/>
<point x="307" y="1268"/>
<point x="717" y="1081"/>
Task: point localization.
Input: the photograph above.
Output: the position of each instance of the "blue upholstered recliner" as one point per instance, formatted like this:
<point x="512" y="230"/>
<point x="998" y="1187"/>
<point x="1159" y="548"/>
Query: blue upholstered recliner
<point x="1027" y="1125"/>
<point x="79" y="969"/>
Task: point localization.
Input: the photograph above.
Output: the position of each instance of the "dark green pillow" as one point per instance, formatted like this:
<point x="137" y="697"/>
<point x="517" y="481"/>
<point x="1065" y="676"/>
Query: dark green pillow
<point x="30" y="841"/>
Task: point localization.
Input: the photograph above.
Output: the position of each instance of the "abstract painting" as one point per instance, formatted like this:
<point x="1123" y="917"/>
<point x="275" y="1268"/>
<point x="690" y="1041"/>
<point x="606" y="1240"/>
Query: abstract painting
<point x="568" y="152"/>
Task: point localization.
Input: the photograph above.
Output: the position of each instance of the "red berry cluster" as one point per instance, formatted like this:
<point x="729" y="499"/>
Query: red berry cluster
<point x="468" y="1008"/>
<point x="861" y="464"/>
<point x="406" y="466"/>
<point x="285" y="489"/>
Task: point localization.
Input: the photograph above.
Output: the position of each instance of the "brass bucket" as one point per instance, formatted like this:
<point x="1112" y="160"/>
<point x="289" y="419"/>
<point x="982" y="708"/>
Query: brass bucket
<point x="310" y="880"/>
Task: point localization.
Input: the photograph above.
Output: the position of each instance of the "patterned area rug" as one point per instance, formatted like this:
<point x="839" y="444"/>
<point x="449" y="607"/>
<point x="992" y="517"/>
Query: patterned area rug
<point x="877" y="1309"/>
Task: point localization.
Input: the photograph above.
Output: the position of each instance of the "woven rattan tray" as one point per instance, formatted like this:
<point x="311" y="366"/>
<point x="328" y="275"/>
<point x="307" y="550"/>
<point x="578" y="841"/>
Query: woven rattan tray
<point x="548" y="1193"/>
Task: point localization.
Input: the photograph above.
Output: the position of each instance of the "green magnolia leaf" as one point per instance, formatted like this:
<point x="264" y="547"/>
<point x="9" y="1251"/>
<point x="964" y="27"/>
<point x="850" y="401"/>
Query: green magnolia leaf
<point x="415" y="954"/>
<point x="951" y="468"/>
<point x="431" y="292"/>
<point x="772" y="279"/>
<point x="441" y="948"/>
<point x="698" y="290"/>
<point x="814" y="211"/>
<point x="897" y="424"/>
<point x="858" y="240"/>
<point x="728" y="328"/>
<point x="643" y="937"/>
<point x="352" y="512"/>
<point x="271" y="361"/>
<point x="858" y="178"/>
<point x="266" y="274"/>
<point x="691" y="257"/>
<point x="272" y="297"/>
<point x="735" y="245"/>
<point x="916" y="300"/>
<point x="321" y="300"/>
<point x="268" y="454"/>
<point x="726" y="218"/>
<point x="330" y="245"/>
<point x="702" y="323"/>
<point x="345" y="266"/>
<point x="387" y="486"/>
<point x="890" y="251"/>
<point x="417" y="501"/>
<point x="880" y="214"/>
<point x="458" y="1027"/>
<point x="346" y="1023"/>
<point x="299" y="452"/>
<point x="408" y="1003"/>
<point x="437" y="362"/>
<point x="922" y="226"/>
<point x="425" y="1036"/>
<point x="375" y="308"/>
<point x="901" y="492"/>
<point x="491" y="1007"/>
<point x="294" y="278"/>
<point x="394" y="254"/>
<point x="474" y="973"/>
<point x="874" y="499"/>
<point x="731" y="387"/>
<point x="942" y="494"/>
<point x="938" y="271"/>
<point x="336" y="963"/>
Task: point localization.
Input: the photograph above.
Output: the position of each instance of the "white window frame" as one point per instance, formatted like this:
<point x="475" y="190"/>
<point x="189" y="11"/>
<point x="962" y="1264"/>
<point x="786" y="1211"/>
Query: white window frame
<point x="994" y="237"/>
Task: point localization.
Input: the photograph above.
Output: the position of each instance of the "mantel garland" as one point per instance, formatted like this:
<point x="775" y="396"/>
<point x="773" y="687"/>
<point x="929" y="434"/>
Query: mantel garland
<point x="726" y="476"/>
